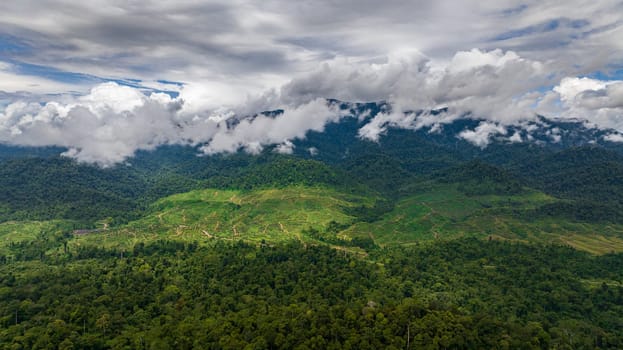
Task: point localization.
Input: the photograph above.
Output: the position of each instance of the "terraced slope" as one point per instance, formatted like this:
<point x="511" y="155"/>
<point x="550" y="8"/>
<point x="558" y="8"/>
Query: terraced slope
<point x="270" y="214"/>
<point x="323" y="215"/>
<point x="444" y="212"/>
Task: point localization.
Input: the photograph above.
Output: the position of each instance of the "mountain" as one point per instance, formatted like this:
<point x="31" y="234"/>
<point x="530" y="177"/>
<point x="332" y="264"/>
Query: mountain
<point x="420" y="237"/>
<point x="566" y="160"/>
<point x="576" y="165"/>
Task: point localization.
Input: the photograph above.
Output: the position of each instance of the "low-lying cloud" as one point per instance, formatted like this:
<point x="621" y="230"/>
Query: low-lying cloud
<point x="481" y="136"/>
<point x="111" y="122"/>
<point x="238" y="58"/>
<point x="597" y="101"/>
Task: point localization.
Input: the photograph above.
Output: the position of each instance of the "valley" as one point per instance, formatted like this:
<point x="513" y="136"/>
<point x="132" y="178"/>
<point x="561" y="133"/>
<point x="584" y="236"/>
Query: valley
<point x="462" y="246"/>
<point x="311" y="175"/>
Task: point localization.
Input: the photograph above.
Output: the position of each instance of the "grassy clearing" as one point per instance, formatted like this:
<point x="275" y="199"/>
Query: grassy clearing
<point x="443" y="212"/>
<point x="21" y="231"/>
<point x="594" y="243"/>
<point x="274" y="215"/>
<point x="271" y="215"/>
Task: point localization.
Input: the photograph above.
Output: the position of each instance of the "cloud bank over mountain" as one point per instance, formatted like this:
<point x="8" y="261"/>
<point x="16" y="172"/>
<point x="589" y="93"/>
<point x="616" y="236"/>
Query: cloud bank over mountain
<point x="105" y="78"/>
<point x="111" y="122"/>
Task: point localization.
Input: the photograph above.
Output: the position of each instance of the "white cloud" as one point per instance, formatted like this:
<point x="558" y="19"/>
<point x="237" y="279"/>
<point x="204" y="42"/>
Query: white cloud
<point x="379" y="124"/>
<point x="490" y="59"/>
<point x="13" y="82"/>
<point x="264" y="130"/>
<point x="466" y="61"/>
<point x="494" y="85"/>
<point x="287" y="147"/>
<point x="614" y="137"/>
<point x="598" y="101"/>
<point x="248" y="46"/>
<point x="555" y="138"/>
<point x="570" y="87"/>
<point x="481" y="136"/>
<point x="104" y="127"/>
<point x="515" y="138"/>
<point x="114" y="97"/>
<point x="112" y="122"/>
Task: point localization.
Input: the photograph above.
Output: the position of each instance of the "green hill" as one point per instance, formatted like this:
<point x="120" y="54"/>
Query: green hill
<point x="419" y="239"/>
<point x="272" y="215"/>
<point x="320" y="215"/>
<point x="444" y="211"/>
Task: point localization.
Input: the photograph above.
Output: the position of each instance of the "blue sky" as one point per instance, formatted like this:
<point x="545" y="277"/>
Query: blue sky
<point x="255" y="46"/>
<point x="105" y="78"/>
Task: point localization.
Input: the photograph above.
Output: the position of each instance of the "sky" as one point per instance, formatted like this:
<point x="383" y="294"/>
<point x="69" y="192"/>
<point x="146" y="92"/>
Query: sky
<point x="106" y="78"/>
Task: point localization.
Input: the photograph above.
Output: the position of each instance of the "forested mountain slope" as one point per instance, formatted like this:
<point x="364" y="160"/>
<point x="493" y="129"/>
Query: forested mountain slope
<point x="418" y="238"/>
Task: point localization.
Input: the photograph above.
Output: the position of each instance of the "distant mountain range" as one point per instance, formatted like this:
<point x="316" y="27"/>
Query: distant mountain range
<point x="565" y="159"/>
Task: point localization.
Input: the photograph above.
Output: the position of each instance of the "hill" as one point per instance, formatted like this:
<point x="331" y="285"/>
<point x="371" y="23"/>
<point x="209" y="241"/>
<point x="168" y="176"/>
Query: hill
<point x="418" y="238"/>
<point x="265" y="215"/>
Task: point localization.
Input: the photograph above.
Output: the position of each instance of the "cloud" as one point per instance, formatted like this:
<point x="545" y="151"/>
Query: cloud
<point x="252" y="46"/>
<point x="495" y="61"/>
<point x="481" y="136"/>
<point x="106" y="126"/>
<point x="598" y="101"/>
<point x="610" y="96"/>
<point x="614" y="137"/>
<point x="493" y="85"/>
<point x="287" y="147"/>
<point x="545" y="27"/>
<point x="111" y="122"/>
<point x="11" y="81"/>
<point x="252" y="133"/>
<point x="516" y="138"/>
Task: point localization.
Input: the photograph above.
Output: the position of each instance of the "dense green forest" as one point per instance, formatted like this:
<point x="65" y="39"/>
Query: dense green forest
<point x="420" y="240"/>
<point x="49" y="188"/>
<point x="460" y="294"/>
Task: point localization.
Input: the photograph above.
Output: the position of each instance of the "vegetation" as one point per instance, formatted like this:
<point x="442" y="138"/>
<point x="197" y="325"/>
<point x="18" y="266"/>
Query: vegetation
<point x="45" y="189"/>
<point x="460" y="294"/>
<point x="418" y="241"/>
